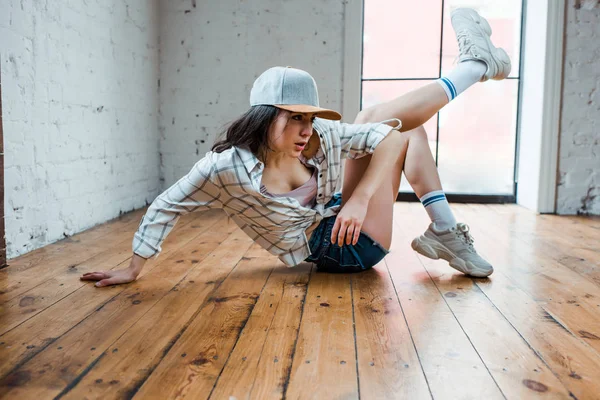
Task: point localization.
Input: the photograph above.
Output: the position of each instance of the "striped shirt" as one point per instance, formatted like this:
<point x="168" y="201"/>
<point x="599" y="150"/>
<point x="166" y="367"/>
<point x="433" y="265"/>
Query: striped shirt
<point x="231" y="180"/>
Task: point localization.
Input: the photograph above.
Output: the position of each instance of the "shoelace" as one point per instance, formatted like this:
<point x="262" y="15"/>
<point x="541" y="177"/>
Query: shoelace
<point x="465" y="43"/>
<point x="462" y="231"/>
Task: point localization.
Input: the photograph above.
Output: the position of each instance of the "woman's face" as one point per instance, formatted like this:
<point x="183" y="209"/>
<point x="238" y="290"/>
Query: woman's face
<point x="290" y="132"/>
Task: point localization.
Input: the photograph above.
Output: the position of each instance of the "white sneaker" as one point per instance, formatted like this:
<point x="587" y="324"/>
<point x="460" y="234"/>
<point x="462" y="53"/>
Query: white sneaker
<point x="473" y="34"/>
<point x="454" y="245"/>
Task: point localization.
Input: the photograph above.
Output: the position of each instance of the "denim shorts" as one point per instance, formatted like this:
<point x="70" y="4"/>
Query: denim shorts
<point x="330" y="257"/>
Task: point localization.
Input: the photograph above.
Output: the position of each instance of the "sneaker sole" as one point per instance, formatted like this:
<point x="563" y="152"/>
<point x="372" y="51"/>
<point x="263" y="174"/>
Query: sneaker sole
<point x="435" y="250"/>
<point x="498" y="54"/>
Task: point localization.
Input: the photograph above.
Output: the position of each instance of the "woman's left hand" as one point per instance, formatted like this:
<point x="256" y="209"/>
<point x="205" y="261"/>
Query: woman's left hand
<point x="349" y="222"/>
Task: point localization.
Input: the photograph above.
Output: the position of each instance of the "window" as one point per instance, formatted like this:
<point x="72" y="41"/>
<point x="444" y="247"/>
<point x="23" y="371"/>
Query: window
<point x="408" y="44"/>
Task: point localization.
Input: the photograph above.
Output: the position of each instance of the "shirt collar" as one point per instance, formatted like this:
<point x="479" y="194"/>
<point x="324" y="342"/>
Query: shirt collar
<point x="248" y="159"/>
<point x="319" y="157"/>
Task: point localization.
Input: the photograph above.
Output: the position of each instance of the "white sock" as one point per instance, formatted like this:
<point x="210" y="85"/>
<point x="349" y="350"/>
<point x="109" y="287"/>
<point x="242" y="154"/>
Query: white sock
<point x="438" y="209"/>
<point x="465" y="75"/>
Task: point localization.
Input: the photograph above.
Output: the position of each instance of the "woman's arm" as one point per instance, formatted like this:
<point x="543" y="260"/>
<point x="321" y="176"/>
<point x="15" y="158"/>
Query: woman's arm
<point x="196" y="191"/>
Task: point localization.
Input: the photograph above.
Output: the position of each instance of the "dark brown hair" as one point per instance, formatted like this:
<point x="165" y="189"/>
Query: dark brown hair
<point x="250" y="130"/>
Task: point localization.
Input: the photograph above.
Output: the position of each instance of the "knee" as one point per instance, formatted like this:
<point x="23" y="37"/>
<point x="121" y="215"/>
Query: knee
<point x="397" y="140"/>
<point x="401" y="141"/>
<point x="418" y="132"/>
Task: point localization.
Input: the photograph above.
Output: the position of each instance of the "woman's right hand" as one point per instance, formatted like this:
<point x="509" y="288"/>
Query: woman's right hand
<point x="107" y="278"/>
<point x="116" y="277"/>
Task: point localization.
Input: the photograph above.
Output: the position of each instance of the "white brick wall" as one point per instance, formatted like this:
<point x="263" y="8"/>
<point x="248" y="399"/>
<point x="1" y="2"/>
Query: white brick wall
<point x="79" y="97"/>
<point x="578" y="190"/>
<point x="211" y="54"/>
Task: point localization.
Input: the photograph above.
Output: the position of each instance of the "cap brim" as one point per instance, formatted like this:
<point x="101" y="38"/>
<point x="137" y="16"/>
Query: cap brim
<point x="303" y="108"/>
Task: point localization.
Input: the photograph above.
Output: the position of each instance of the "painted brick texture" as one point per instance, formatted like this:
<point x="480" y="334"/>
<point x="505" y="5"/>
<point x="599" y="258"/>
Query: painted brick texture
<point x="211" y="53"/>
<point x="578" y="190"/>
<point x="79" y="96"/>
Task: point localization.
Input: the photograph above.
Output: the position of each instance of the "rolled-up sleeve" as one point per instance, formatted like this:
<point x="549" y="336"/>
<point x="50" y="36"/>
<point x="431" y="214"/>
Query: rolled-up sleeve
<point x="196" y="191"/>
<point x="359" y="140"/>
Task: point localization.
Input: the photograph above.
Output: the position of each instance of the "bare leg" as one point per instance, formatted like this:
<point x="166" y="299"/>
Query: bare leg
<point x="415" y="160"/>
<point x="413" y="108"/>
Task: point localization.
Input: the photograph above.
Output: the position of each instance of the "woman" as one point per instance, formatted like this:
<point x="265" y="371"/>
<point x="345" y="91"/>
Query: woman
<point x="276" y="172"/>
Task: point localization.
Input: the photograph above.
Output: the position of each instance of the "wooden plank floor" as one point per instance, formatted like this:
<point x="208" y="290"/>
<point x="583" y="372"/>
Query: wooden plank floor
<point x="215" y="316"/>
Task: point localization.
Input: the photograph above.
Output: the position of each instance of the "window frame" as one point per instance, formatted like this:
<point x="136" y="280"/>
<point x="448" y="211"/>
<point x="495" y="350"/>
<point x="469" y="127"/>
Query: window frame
<point x="541" y="193"/>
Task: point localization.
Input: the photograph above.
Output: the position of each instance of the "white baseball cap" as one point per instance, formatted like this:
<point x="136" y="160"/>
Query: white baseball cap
<point x="289" y="89"/>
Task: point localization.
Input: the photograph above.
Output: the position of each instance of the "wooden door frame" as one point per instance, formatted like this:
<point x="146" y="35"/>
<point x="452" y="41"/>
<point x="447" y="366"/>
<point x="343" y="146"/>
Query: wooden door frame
<point x="2" y="231"/>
